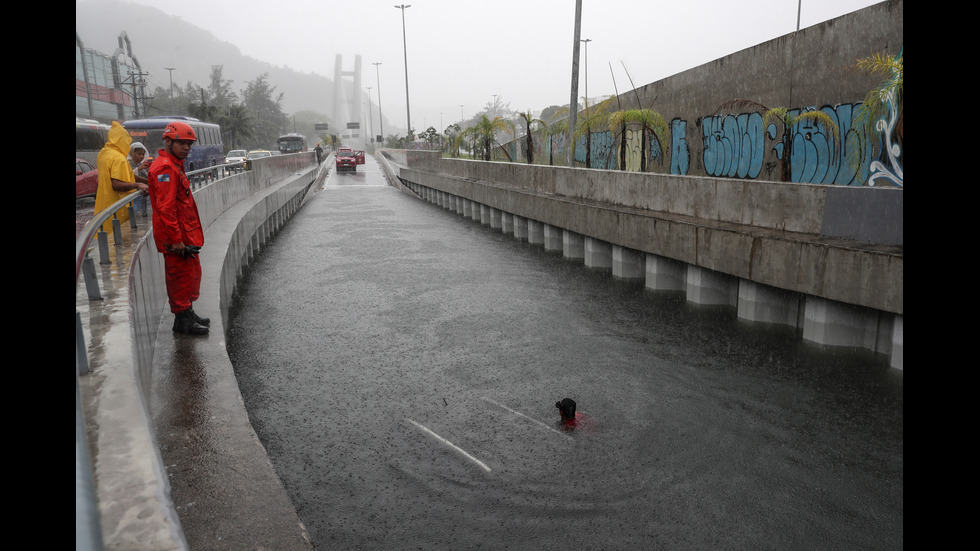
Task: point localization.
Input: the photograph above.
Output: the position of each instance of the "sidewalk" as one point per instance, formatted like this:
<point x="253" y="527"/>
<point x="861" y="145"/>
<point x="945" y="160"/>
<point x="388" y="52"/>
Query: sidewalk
<point x="217" y="477"/>
<point x="223" y="486"/>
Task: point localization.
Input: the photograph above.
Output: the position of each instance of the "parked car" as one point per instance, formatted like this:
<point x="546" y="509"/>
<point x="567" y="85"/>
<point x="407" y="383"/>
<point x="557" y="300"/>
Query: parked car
<point x="236" y="157"/>
<point x="86" y="179"/>
<point x="255" y="154"/>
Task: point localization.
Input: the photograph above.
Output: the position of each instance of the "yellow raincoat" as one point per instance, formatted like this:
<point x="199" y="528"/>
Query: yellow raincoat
<point x="113" y="163"/>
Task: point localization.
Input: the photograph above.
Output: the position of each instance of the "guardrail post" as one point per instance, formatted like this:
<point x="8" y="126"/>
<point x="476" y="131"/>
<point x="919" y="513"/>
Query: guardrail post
<point x="132" y="217"/>
<point x="116" y="230"/>
<point x="91" y="280"/>
<point x="103" y="247"/>
<point x="81" y="355"/>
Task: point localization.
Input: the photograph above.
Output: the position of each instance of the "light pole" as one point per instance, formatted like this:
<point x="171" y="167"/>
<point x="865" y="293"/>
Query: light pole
<point x="370" y="115"/>
<point x="408" y="111"/>
<point x="573" y="100"/>
<point x="381" y="120"/>
<point x="586" y="41"/>
<point x="494" y="115"/>
<point x="173" y="109"/>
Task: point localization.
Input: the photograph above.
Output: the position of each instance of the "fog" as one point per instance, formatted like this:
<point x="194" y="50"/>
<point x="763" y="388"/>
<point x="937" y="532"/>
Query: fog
<point x="463" y="55"/>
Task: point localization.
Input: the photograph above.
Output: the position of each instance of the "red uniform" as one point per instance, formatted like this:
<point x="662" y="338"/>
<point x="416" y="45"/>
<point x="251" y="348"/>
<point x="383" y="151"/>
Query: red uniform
<point x="176" y="220"/>
<point x="581" y="422"/>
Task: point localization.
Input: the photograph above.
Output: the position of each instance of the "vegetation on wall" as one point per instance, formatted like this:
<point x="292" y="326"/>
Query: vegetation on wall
<point x="882" y="113"/>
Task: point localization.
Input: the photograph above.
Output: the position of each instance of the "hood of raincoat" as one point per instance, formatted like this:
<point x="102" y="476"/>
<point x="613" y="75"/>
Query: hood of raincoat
<point x="119" y="138"/>
<point x="137" y="145"/>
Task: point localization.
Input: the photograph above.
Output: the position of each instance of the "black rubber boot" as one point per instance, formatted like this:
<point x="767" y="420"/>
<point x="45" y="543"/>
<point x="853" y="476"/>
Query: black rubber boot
<point x="206" y="322"/>
<point x="184" y="323"/>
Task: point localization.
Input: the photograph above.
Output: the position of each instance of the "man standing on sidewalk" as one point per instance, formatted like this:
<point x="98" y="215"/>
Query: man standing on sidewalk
<point x="177" y="228"/>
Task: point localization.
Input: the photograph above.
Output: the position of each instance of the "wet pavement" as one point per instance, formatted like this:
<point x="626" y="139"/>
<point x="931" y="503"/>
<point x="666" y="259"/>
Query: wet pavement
<point x="401" y="364"/>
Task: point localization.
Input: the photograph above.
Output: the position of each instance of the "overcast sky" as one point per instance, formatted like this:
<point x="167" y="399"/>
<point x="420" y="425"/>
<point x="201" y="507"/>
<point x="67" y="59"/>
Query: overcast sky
<point x="463" y="52"/>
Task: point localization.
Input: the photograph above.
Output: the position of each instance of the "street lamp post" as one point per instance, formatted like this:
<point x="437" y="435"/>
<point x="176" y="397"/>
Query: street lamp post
<point x="586" y="41"/>
<point x="408" y="111"/>
<point x="573" y="101"/>
<point x="370" y="116"/>
<point x="381" y="120"/>
<point x="173" y="109"/>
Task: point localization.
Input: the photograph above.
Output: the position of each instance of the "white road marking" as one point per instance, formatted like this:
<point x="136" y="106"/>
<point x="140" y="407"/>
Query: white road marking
<point x="451" y="445"/>
<point x="545" y="425"/>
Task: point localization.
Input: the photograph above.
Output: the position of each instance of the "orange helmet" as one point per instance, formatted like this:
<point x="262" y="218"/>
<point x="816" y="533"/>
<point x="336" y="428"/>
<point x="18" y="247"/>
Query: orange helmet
<point x="179" y="131"/>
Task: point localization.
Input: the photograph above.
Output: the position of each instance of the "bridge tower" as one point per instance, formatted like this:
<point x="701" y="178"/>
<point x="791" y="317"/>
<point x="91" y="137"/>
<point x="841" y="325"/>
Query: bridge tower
<point x="348" y="101"/>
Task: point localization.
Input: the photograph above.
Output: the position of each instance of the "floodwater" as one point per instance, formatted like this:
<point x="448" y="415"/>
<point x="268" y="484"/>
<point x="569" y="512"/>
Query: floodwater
<point x="401" y="365"/>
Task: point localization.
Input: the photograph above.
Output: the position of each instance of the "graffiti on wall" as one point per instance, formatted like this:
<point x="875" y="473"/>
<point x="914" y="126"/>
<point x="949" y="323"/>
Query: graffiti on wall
<point x="743" y="146"/>
<point x="889" y="166"/>
<point x="680" y="152"/>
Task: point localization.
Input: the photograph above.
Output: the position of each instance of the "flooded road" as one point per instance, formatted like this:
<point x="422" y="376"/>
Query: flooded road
<point x="401" y="365"/>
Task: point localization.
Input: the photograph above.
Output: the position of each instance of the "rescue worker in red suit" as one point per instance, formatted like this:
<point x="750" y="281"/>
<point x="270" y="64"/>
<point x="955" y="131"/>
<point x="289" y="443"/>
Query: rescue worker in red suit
<point x="177" y="226"/>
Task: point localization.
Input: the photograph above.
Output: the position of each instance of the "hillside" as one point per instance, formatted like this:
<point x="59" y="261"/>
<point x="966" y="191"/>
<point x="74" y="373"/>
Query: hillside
<point x="159" y="40"/>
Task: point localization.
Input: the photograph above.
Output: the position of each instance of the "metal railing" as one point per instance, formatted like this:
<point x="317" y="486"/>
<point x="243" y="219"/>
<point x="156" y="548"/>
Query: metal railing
<point x="88" y="534"/>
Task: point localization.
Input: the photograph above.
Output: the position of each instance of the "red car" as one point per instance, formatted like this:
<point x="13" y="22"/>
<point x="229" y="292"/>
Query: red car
<point x="346" y="160"/>
<point x="86" y="179"/>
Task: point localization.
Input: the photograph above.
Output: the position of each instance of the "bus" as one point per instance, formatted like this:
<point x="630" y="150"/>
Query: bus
<point x="208" y="150"/>
<point x="291" y="143"/>
<point x="90" y="137"/>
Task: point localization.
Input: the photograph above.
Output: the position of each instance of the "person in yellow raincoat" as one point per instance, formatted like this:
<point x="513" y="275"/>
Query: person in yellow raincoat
<point x="116" y="178"/>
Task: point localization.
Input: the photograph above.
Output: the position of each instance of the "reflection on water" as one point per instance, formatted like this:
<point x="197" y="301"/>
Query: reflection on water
<point x="374" y="309"/>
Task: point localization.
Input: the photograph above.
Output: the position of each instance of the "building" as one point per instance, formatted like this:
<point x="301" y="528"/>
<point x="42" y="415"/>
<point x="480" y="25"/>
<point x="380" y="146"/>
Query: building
<point x="108" y="87"/>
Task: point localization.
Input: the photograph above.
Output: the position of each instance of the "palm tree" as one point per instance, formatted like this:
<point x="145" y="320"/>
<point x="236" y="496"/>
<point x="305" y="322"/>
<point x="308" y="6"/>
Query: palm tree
<point x="556" y="128"/>
<point x="593" y="118"/>
<point x="529" y="120"/>
<point x="485" y="132"/>
<point x="653" y="124"/>
<point x="883" y="110"/>
<point x="618" y="120"/>
<point x="789" y="118"/>
<point x="649" y="121"/>
<point x="889" y="95"/>
<point x="238" y="123"/>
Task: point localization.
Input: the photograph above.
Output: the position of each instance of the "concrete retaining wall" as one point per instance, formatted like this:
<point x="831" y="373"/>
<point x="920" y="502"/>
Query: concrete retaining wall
<point x="804" y="70"/>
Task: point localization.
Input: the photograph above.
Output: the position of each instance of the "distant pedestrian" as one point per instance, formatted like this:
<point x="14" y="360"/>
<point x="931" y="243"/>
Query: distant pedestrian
<point x="140" y="162"/>
<point x="177" y="229"/>
<point x="319" y="154"/>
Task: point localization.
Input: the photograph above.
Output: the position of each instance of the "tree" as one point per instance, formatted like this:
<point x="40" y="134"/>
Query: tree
<point x="270" y="121"/>
<point x="237" y="123"/>
<point x="883" y="110"/>
<point x="651" y="123"/>
<point x="204" y="111"/>
<point x="429" y="136"/>
<point x="554" y="112"/>
<point x="529" y="121"/>
<point x="556" y="128"/>
<point x="789" y="118"/>
<point x="888" y="95"/>
<point x="219" y="90"/>
<point x="485" y="132"/>
<point x="593" y="118"/>
<point x="453" y="133"/>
